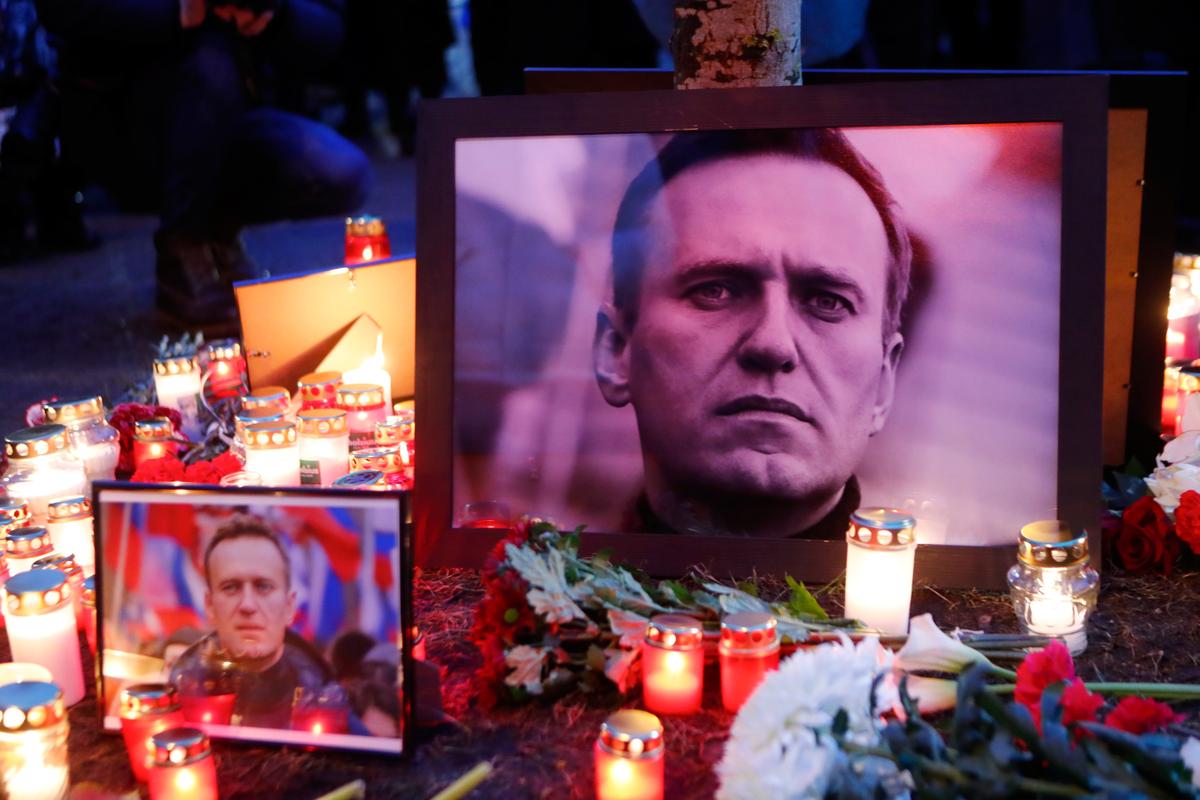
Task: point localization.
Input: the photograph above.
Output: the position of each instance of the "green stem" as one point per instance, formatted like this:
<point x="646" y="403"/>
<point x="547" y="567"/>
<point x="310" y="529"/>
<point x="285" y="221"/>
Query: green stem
<point x="1163" y="691"/>
<point x="1001" y="672"/>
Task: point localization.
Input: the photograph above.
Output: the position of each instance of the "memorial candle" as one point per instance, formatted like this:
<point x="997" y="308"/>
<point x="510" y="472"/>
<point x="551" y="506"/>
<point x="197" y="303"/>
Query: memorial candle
<point x="397" y="428"/>
<point x="88" y="601"/>
<point x="225" y="369"/>
<point x="33" y="742"/>
<point x="41" y="468"/>
<point x="24" y="546"/>
<point x="1053" y="586"/>
<point x="749" y="649"/>
<point x="16" y="512"/>
<point x="71" y="530"/>
<point x="366" y="239"/>
<point x="486" y="514"/>
<point x="177" y="383"/>
<point x="324" y="446"/>
<point x="207" y="693"/>
<point x="18" y="671"/>
<point x="881" y="547"/>
<point x="153" y="438"/>
<point x="673" y="664"/>
<point x="629" y="757"/>
<point x="319" y="389"/>
<point x="363" y="404"/>
<point x="251" y="416"/>
<point x="181" y="766"/>
<point x="93" y="441"/>
<point x="272" y="450"/>
<point x="268" y="397"/>
<point x="65" y="563"/>
<point x="366" y="479"/>
<point x="371" y="372"/>
<point x="385" y="459"/>
<point x="41" y="627"/>
<point x="147" y="709"/>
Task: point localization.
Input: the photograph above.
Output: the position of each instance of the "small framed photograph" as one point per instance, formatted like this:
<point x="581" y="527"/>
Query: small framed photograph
<point x="279" y="615"/>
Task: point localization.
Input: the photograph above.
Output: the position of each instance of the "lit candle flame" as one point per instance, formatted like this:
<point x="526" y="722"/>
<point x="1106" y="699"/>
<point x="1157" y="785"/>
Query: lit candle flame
<point x="375" y="361"/>
<point x="368" y="253"/>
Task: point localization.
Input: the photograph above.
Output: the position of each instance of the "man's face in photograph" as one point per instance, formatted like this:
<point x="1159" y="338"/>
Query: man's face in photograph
<point x="757" y="361"/>
<point x="249" y="600"/>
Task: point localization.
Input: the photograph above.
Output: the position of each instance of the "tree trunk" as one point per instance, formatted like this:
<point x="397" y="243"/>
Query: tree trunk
<point x="722" y="43"/>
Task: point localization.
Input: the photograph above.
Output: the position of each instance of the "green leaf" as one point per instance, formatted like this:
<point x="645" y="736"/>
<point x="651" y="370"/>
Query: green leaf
<point x="602" y="557"/>
<point x="571" y="541"/>
<point x="801" y="604"/>
<point x="708" y="601"/>
<point x="678" y="591"/>
<point x="749" y="587"/>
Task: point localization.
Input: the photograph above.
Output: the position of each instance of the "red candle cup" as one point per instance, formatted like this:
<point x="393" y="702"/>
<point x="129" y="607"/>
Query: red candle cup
<point x="152" y="438"/>
<point x="366" y="240"/>
<point x="486" y="514"/>
<point x="749" y="649"/>
<point x="88" y="601"/>
<point x="181" y="766"/>
<point x="321" y="711"/>
<point x="629" y="757"/>
<point x="207" y="696"/>
<point x="318" y="390"/>
<point x="418" y="643"/>
<point x="147" y="709"/>
<point x="673" y="664"/>
<point x="225" y="372"/>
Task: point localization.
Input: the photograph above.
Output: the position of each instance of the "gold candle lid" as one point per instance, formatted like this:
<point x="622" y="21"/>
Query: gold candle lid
<point x="385" y="459"/>
<point x="269" y="435"/>
<point x="365" y="225"/>
<point x="39" y="440"/>
<point x="223" y="350"/>
<point x="322" y="422"/>
<point x="632" y="733"/>
<point x="15" y="508"/>
<point x="268" y="397"/>
<point x="1051" y="543"/>
<point x="674" y="632"/>
<point x="37" y="591"/>
<point x="749" y="630"/>
<point x="63" y="562"/>
<point x="177" y="747"/>
<point x="253" y="416"/>
<point x="28" y="542"/>
<point x="155" y="429"/>
<point x="31" y="705"/>
<point x="362" y="479"/>
<point x="175" y="365"/>
<point x="67" y="411"/>
<point x="319" y="385"/>
<point x="148" y="699"/>
<point x="352" y="396"/>
<point x="395" y="429"/>
<point x="69" y="508"/>
<point x="882" y="528"/>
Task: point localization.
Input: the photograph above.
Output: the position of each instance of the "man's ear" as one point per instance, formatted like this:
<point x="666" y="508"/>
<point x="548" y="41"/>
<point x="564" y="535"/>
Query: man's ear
<point x="610" y="355"/>
<point x="886" y="390"/>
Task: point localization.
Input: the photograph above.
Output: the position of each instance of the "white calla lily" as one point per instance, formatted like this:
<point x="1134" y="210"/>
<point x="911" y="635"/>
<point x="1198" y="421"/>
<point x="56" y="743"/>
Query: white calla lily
<point x="932" y="694"/>
<point x="929" y="648"/>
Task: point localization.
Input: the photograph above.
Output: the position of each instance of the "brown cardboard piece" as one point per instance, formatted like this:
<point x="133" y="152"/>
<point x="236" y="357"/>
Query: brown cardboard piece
<point x="300" y="323"/>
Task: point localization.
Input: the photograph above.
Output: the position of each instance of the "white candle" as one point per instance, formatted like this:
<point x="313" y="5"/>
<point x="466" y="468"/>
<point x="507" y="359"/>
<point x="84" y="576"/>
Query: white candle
<point x="1052" y="615"/>
<point x="71" y="529"/>
<point x="33" y="742"/>
<point x="372" y="372"/>
<point x="364" y="407"/>
<point x="41" y="467"/>
<point x="24" y="546"/>
<point x="92" y="439"/>
<point x="880" y="551"/>
<point x="272" y="451"/>
<point x="177" y="384"/>
<point x="41" y="627"/>
<point x="324" y="446"/>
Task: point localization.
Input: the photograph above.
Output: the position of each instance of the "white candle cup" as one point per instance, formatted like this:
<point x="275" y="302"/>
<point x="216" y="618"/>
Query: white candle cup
<point x="24" y="546"/>
<point x="66" y="564"/>
<point x="272" y="450"/>
<point x="33" y="742"/>
<point x="72" y="530"/>
<point x="42" y="629"/>
<point x="1053" y="586"/>
<point x="371" y="376"/>
<point x="381" y="458"/>
<point x="881" y="547"/>
<point x="397" y="428"/>
<point x="364" y="407"/>
<point x="177" y="384"/>
<point x="15" y="511"/>
<point x="324" y="446"/>
<point x="23" y="671"/>
<point x="41" y="468"/>
<point x="276" y="397"/>
<point x="93" y="441"/>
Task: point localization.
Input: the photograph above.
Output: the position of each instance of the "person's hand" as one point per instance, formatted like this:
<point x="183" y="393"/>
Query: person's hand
<point x="191" y="13"/>
<point x="247" y="21"/>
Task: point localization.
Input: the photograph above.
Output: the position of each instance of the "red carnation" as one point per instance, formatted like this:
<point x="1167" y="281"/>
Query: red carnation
<point x="123" y="419"/>
<point x="1187" y="520"/>
<point x="1041" y="668"/>
<point x="159" y="470"/>
<point x="202" y="472"/>
<point x="1079" y="705"/>
<point x="226" y="464"/>
<point x="1138" y="715"/>
<point x="1146" y="540"/>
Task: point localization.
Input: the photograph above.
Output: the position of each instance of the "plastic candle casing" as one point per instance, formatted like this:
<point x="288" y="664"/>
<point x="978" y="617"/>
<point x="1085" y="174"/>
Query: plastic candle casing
<point x="319" y="389"/>
<point x="147" y="709"/>
<point x="486" y="514"/>
<point x="366" y="479"/>
<point x="1053" y="586"/>
<point x="181" y="766"/>
<point x="673" y="664"/>
<point x="177" y="385"/>
<point x="14" y="512"/>
<point x="33" y="742"/>
<point x="385" y="459"/>
<point x="41" y="627"/>
<point x="88" y="602"/>
<point x="629" y="756"/>
<point x="65" y="563"/>
<point x="881" y="547"/>
<point x="276" y="397"/>
<point x="93" y="441"/>
<point x="224" y="369"/>
<point x="396" y="428"/>
<point x="71" y="529"/>
<point x="41" y="468"/>
<point x="324" y="446"/>
<point x="366" y="239"/>
<point x="24" y="546"/>
<point x="364" y="406"/>
<point x="272" y="450"/>
<point x="749" y="649"/>
<point x="19" y="671"/>
<point x="152" y="438"/>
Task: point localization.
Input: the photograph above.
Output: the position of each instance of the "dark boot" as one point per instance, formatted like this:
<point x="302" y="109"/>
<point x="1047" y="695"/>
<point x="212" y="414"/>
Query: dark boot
<point x="232" y="261"/>
<point x="190" y="285"/>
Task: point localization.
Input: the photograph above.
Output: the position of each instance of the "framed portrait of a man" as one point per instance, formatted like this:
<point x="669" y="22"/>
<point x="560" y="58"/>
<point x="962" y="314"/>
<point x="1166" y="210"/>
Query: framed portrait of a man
<point x="277" y="615"/>
<point x="709" y="325"/>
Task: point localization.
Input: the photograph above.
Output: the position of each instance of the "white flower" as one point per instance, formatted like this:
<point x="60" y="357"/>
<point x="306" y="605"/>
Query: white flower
<point x="631" y="627"/>
<point x="618" y="664"/>
<point x="1190" y="753"/>
<point x="1168" y="483"/>
<point x="526" y="663"/>
<point x="932" y="694"/>
<point x="549" y="595"/>
<point x="928" y="648"/>
<point x="780" y="744"/>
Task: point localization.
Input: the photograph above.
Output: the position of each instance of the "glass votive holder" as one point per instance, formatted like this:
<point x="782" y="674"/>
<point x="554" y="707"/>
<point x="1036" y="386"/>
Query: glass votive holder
<point x="93" y="441"/>
<point x="41" y="627"/>
<point x="177" y="383"/>
<point x="207" y="693"/>
<point x="321" y="711"/>
<point x="33" y="742"/>
<point x="748" y="650"/>
<point x="224" y="368"/>
<point x="1053" y="585"/>
<point x="72" y="530"/>
<point x="366" y="239"/>
<point x="273" y="451"/>
<point x="629" y="757"/>
<point x="881" y="546"/>
<point x="242" y="478"/>
<point x="147" y="709"/>
<point x="41" y="467"/>
<point x="324" y="446"/>
<point x="318" y="389"/>
<point x="181" y="766"/>
<point x="486" y="514"/>
<point x="24" y="546"/>
<point x="673" y="664"/>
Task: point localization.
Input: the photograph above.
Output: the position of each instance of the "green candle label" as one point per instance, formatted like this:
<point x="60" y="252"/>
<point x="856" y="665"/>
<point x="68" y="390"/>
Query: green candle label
<point x="310" y="473"/>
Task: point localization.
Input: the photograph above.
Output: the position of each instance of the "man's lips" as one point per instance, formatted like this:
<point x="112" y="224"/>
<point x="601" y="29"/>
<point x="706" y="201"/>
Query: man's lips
<point x="758" y="402"/>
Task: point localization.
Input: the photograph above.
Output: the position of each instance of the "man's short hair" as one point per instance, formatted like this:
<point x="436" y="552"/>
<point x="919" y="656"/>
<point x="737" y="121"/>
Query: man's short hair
<point x="247" y="526"/>
<point x="690" y="149"/>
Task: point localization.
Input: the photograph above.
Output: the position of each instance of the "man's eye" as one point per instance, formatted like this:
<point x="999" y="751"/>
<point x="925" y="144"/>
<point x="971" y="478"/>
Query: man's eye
<point x="829" y="305"/>
<point x="711" y="294"/>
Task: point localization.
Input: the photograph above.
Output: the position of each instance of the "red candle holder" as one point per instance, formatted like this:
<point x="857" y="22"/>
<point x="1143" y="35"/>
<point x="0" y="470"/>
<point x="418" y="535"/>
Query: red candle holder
<point x="486" y="514"/>
<point x="88" y="599"/>
<point x="225" y="373"/>
<point x="321" y="711"/>
<point x="629" y="756"/>
<point x="673" y="664"/>
<point x="749" y="649"/>
<point x="418" y="643"/>
<point x="152" y="438"/>
<point x="207" y="695"/>
<point x="181" y="766"/>
<point x="366" y="240"/>
<point x="147" y="709"/>
<point x="319" y="390"/>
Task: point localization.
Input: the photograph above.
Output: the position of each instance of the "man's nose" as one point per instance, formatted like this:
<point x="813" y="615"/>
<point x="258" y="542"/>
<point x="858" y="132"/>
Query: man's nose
<point x="770" y="344"/>
<point x="246" y="601"/>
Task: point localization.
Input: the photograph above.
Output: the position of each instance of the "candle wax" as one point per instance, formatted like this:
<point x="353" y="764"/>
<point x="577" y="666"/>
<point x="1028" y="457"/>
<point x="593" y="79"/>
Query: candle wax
<point x="210" y="709"/>
<point x="77" y="537"/>
<point x="137" y="733"/>
<point x="879" y="586"/>
<point x="276" y="466"/>
<point x="196" y="781"/>
<point x="672" y="680"/>
<point x="182" y="392"/>
<point x="622" y="778"/>
<point x="50" y="639"/>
